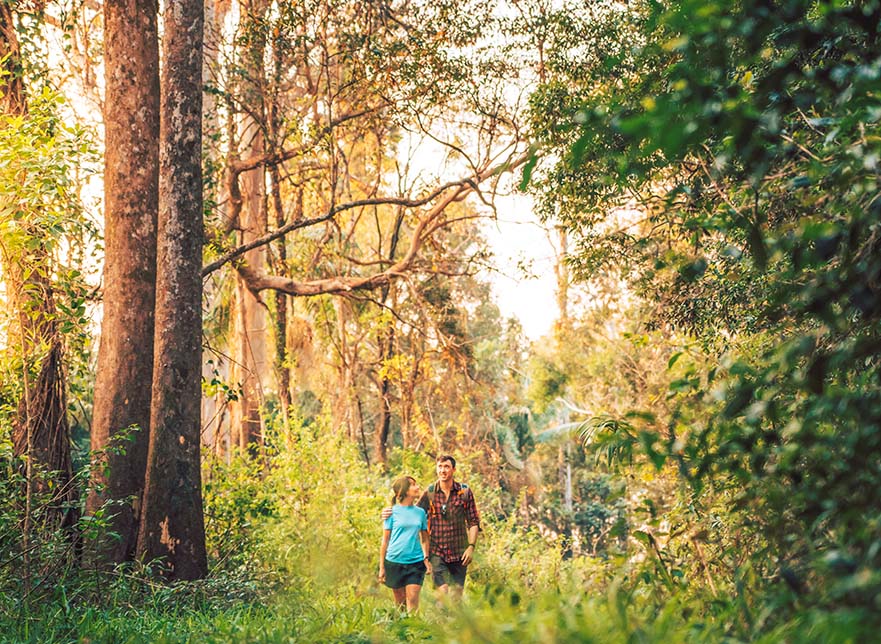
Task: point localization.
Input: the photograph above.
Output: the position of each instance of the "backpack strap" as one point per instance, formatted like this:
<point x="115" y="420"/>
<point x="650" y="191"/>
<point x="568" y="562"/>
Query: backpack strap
<point x="430" y="493"/>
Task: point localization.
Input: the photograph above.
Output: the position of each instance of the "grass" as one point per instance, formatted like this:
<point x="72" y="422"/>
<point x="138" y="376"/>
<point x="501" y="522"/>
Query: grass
<point x="301" y="568"/>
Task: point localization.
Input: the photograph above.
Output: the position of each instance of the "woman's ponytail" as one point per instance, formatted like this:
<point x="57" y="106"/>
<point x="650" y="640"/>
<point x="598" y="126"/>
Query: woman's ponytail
<point x="400" y="488"/>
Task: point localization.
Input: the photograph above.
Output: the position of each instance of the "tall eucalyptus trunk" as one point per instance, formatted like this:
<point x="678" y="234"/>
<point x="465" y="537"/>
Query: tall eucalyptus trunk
<point x="131" y="202"/>
<point x="172" y="524"/>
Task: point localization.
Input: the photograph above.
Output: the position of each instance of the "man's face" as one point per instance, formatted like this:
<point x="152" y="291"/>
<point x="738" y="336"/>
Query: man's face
<point x="445" y="470"/>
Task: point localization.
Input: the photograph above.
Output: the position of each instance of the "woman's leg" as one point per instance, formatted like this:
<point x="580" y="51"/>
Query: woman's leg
<point x="413" y="597"/>
<point x="400" y="596"/>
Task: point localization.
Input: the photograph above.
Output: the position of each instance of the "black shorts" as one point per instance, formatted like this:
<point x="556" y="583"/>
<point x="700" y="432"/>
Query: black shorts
<point x="398" y="575"/>
<point x="447" y="572"/>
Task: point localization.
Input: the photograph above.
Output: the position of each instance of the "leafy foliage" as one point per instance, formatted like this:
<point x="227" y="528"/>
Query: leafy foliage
<point x="747" y="141"/>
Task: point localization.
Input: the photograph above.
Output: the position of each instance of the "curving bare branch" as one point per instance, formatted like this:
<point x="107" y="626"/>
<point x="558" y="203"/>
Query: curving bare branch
<point x="456" y="190"/>
<point x="256" y="281"/>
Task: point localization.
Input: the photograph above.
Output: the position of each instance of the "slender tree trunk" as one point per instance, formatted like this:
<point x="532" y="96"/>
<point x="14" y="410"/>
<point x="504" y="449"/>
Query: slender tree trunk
<point x="281" y="362"/>
<point x="364" y="450"/>
<point x="40" y="432"/>
<point x="250" y="357"/>
<point x="386" y="351"/>
<point x="251" y="344"/>
<point x="408" y="400"/>
<point x="250" y="351"/>
<point x="215" y="430"/>
<point x="384" y="422"/>
<point x="561" y="271"/>
<point x="12" y="97"/>
<point x="343" y="396"/>
<point x="172" y="524"/>
<point x="131" y="198"/>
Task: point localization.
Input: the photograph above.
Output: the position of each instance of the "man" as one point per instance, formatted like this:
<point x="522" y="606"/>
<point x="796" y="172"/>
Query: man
<point x="453" y="525"/>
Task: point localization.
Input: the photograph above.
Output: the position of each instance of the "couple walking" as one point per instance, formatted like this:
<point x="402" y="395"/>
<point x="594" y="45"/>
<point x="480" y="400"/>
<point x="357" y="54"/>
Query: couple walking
<point x="432" y="532"/>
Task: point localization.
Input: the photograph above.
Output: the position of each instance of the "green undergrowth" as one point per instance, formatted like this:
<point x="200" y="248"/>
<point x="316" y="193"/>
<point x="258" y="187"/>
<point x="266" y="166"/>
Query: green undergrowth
<point x="294" y="544"/>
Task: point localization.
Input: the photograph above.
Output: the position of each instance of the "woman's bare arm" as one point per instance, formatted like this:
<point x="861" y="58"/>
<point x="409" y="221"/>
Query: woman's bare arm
<point x="386" y="535"/>
<point x="423" y="537"/>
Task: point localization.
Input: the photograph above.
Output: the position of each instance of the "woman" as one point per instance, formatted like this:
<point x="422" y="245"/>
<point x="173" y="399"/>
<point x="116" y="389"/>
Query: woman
<point x="403" y="557"/>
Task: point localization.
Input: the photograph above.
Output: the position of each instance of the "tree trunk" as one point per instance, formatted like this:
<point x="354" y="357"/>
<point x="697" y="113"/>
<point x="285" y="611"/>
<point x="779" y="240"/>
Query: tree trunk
<point x="172" y="524"/>
<point x="131" y="196"/>
<point x="386" y="351"/>
<point x="41" y="432"/>
<point x="383" y="425"/>
<point x="276" y="123"/>
<point x="251" y="340"/>
<point x="408" y="399"/>
<point x="282" y="364"/>
<point x="250" y="350"/>
<point x="12" y="97"/>
<point x="561" y="272"/>
<point x="341" y="406"/>
<point x="215" y="429"/>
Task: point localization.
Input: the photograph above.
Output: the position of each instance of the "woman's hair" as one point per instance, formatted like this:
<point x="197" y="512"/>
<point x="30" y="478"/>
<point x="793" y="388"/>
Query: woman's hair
<point x="400" y="488"/>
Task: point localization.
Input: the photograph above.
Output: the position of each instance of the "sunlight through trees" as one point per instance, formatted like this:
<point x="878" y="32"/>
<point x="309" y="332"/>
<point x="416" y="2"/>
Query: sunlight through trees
<point x="283" y="301"/>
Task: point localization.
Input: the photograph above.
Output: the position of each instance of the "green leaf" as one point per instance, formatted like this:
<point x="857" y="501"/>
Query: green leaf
<point x="527" y="171"/>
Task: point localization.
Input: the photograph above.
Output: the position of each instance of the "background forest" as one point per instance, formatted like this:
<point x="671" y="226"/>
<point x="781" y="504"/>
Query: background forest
<point x="246" y="283"/>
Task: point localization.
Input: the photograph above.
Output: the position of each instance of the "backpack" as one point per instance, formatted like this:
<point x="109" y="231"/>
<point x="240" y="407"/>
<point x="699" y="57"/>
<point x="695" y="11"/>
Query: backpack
<point x="430" y="491"/>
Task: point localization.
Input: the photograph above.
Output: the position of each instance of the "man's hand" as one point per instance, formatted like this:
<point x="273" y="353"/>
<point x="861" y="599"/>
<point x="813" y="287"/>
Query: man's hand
<point x="386" y="513"/>
<point x="468" y="556"/>
<point x="427" y="567"/>
<point x="381" y="575"/>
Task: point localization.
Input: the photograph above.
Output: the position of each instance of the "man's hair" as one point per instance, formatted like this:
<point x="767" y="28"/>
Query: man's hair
<point x="447" y="457"/>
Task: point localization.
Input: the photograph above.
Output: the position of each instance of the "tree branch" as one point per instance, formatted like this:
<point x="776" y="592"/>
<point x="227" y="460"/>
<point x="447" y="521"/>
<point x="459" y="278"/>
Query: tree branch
<point x="462" y="186"/>
<point x="274" y="158"/>
<point x="257" y="281"/>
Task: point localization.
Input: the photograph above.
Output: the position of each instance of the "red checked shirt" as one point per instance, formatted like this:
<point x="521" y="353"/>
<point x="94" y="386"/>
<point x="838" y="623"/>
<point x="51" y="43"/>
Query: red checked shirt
<point x="449" y="520"/>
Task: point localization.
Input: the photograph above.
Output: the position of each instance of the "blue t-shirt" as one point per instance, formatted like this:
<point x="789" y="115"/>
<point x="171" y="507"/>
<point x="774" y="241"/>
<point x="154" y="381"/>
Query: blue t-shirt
<point x="405" y="523"/>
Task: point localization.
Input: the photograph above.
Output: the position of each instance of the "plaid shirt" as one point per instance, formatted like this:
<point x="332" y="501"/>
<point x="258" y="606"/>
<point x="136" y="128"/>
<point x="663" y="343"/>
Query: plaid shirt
<point x="449" y="520"/>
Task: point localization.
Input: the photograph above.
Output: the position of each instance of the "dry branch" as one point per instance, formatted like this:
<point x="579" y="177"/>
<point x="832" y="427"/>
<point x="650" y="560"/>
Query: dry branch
<point x="432" y="221"/>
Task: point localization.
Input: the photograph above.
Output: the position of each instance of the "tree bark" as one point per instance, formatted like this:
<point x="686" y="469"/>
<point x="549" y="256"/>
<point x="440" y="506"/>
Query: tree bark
<point x="131" y="201"/>
<point x="281" y="362"/>
<point x="384" y="420"/>
<point x="12" y="97"/>
<point x="41" y="432"/>
<point x="215" y="429"/>
<point x="251" y="364"/>
<point x="386" y="351"/>
<point x="172" y="524"/>
<point x="561" y="272"/>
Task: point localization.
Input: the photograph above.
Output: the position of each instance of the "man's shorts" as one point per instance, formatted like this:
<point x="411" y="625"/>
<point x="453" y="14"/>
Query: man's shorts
<point x="399" y="575"/>
<point x="447" y="572"/>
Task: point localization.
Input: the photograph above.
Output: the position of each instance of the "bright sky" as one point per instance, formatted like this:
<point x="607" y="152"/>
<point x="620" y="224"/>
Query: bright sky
<point x="519" y="242"/>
